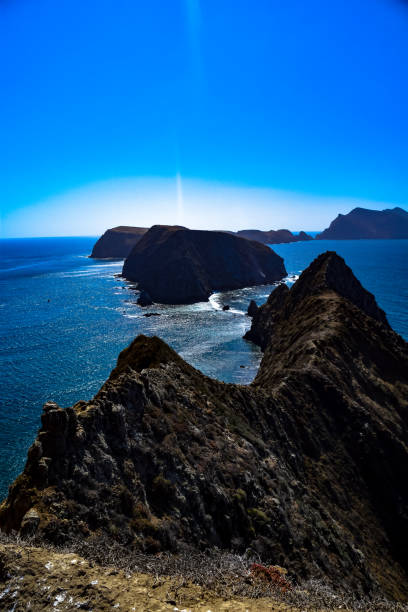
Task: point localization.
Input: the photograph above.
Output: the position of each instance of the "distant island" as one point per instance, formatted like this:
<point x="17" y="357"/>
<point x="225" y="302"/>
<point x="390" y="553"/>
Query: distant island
<point x="364" y="223"/>
<point x="176" y="265"/>
<point x="117" y="242"/>
<point x="360" y="223"/>
<point x="281" y="236"/>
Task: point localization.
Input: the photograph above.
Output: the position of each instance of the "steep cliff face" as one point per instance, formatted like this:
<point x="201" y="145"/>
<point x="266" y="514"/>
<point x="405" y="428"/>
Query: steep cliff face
<point x="274" y="236"/>
<point x="307" y="465"/>
<point x="364" y="223"/>
<point x="176" y="265"/>
<point x="117" y="242"/>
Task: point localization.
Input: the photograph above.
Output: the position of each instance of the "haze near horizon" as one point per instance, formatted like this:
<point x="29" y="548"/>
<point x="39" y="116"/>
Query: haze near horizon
<point x="213" y="115"/>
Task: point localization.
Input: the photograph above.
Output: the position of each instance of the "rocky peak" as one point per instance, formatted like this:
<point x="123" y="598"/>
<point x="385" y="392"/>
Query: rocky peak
<point x="329" y="271"/>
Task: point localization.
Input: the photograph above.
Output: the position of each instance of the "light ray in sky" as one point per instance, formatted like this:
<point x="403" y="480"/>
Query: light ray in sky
<point x="180" y="201"/>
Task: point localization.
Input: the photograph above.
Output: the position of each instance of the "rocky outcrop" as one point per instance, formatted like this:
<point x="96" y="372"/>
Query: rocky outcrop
<point x="176" y="265"/>
<point x="252" y="308"/>
<point x="364" y="223"/>
<point x="274" y="236"/>
<point x="326" y="271"/>
<point x="306" y="466"/>
<point x="117" y="242"/>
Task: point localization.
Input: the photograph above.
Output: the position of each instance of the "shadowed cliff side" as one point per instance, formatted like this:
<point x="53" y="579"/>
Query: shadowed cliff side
<point x="307" y="465"/>
<point x="175" y="265"/>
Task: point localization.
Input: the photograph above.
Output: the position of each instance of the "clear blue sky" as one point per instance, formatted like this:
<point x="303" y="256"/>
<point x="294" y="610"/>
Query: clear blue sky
<point x="215" y="113"/>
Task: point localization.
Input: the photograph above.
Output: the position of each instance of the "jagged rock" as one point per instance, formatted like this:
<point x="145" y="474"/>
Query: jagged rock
<point x="30" y="522"/>
<point x="252" y="308"/>
<point x="225" y="307"/>
<point x="144" y="299"/>
<point x="364" y="223"/>
<point x="176" y="265"/>
<point x="116" y="243"/>
<point x="306" y="466"/>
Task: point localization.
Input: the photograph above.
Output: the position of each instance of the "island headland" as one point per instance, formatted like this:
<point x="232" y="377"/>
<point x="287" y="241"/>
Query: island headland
<point x="306" y="466"/>
<point x="364" y="223"/>
<point x="176" y="265"/>
<point x="117" y="242"/>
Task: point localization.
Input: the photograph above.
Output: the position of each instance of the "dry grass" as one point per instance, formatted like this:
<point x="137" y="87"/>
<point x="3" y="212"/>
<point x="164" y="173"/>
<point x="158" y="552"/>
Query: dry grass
<point x="225" y="574"/>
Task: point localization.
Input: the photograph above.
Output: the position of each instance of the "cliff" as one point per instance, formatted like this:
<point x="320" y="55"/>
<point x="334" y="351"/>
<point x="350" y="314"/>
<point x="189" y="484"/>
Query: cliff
<point x="274" y="236"/>
<point x="364" y="223"/>
<point x="306" y="466"/>
<point x="175" y="265"/>
<point x="117" y="242"/>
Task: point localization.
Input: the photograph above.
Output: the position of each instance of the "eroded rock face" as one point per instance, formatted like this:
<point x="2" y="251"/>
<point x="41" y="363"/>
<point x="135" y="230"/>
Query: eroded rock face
<point x="364" y="223"/>
<point x="176" y="265"/>
<point x="116" y="243"/>
<point x="307" y="465"/>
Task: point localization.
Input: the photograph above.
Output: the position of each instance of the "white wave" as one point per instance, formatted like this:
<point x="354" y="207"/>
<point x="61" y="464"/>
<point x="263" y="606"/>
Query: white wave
<point x="214" y="300"/>
<point x="111" y="264"/>
<point x="236" y="311"/>
<point x="291" y="278"/>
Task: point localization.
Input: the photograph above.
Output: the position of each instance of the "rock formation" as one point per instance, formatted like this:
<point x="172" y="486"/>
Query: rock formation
<point x="365" y="223"/>
<point x="274" y="236"/>
<point x="252" y="308"/>
<point x="117" y="242"/>
<point x="307" y="465"/>
<point x="176" y="265"/>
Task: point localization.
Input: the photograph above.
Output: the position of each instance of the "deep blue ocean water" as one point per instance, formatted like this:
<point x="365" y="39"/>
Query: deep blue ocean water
<point x="64" y="318"/>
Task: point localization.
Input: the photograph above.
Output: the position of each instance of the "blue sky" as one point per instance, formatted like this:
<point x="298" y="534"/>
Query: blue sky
<point x="211" y="113"/>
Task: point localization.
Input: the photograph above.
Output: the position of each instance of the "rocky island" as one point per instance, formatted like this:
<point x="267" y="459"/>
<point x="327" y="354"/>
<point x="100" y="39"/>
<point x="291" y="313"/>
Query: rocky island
<point x="176" y="265"/>
<point x="306" y="466"/>
<point x="364" y="223"/>
<point x="281" y="236"/>
<point x="117" y="242"/>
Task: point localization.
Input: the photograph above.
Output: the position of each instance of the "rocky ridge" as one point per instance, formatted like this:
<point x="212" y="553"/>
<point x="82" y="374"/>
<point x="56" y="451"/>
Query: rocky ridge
<point x="306" y="466"/>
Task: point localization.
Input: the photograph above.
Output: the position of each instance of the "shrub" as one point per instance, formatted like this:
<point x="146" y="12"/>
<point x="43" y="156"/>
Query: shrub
<point x="273" y="574"/>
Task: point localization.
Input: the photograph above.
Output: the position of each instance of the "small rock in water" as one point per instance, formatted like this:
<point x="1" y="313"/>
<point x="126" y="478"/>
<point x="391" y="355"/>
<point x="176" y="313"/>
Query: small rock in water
<point x="152" y="314"/>
<point x="226" y="307"/>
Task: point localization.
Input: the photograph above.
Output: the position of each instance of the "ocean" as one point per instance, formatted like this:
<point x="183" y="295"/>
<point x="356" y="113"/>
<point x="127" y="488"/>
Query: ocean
<point x="64" y="318"/>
